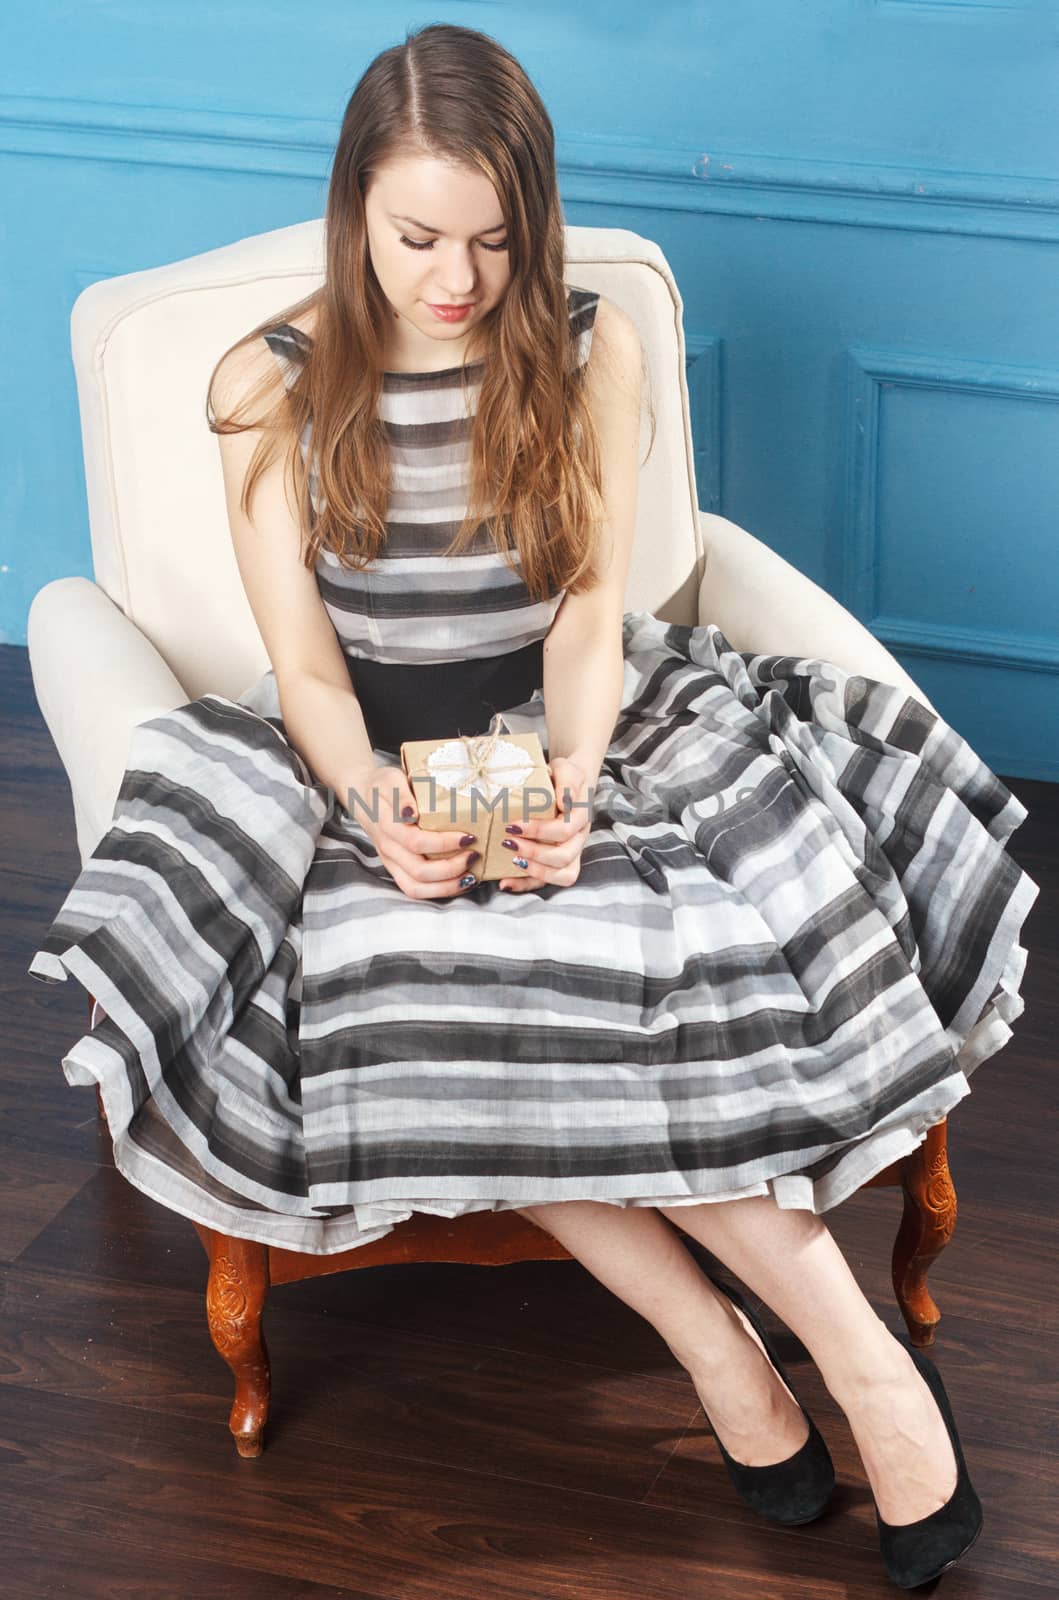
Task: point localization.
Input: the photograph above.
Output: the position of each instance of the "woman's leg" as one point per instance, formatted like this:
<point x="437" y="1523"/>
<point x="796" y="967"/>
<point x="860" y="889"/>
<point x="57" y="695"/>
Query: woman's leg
<point x="642" y="1260"/>
<point x="791" y="1259"/>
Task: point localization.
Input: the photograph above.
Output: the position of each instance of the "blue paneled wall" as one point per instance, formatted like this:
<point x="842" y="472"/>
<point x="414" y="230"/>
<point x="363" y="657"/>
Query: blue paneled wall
<point x="859" y="198"/>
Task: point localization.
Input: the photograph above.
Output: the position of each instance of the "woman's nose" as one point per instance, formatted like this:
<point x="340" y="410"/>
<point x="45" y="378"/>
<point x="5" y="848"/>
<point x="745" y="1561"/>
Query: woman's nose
<point x="454" y="291"/>
<point x="457" y="279"/>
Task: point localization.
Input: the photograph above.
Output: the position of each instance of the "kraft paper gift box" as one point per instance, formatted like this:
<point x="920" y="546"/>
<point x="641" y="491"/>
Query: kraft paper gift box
<point x="478" y="783"/>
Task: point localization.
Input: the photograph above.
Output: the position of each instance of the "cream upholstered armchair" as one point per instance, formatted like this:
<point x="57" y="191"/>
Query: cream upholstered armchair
<point x="167" y="620"/>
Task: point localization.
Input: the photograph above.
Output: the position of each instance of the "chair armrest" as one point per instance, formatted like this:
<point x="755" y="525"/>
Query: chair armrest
<point x="96" y="676"/>
<point x="764" y="605"/>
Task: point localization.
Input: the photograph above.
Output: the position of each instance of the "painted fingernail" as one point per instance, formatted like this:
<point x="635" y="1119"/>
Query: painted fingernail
<point x="508" y="844"/>
<point x="519" y="862"/>
<point x="474" y="856"/>
<point x="469" y="838"/>
<point x="465" y="883"/>
<point x="512" y="827"/>
<point x="408" y="812"/>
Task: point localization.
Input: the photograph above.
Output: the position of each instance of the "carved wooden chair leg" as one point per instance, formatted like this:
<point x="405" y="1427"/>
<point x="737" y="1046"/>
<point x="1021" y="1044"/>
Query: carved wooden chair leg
<point x="235" y="1299"/>
<point x="926" y="1228"/>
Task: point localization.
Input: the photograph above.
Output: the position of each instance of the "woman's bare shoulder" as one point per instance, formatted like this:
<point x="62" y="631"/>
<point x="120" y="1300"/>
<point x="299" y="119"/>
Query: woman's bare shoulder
<point x="256" y="365"/>
<point x="615" y="329"/>
<point x="615" y="358"/>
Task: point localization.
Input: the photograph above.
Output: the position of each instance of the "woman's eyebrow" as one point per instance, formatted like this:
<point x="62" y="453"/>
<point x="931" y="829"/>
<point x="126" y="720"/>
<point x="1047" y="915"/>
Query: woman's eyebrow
<point x="396" y="217"/>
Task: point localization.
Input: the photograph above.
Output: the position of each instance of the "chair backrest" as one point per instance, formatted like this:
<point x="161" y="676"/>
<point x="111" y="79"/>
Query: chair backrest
<point x="144" y="346"/>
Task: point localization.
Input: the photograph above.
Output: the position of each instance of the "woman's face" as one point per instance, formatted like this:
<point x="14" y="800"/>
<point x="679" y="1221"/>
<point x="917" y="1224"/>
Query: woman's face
<point x="454" y="216"/>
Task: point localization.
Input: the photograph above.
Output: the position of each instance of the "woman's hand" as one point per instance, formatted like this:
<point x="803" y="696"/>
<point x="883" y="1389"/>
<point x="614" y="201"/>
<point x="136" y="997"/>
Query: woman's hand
<point x="425" y="863"/>
<point x="552" y="846"/>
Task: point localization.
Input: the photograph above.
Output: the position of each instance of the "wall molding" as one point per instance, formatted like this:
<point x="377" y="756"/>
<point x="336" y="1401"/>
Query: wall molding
<point x="594" y="170"/>
<point x="853" y="558"/>
<point x="1026" y="652"/>
<point x="957" y="5"/>
<point x="273" y="145"/>
<point x="705" y="396"/>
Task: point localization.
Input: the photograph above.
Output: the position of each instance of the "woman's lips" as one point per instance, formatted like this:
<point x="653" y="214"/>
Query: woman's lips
<point x="451" y="313"/>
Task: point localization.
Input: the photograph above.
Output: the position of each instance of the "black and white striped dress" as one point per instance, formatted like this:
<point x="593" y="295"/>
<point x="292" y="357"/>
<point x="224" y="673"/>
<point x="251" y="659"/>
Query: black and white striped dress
<point x="794" y="936"/>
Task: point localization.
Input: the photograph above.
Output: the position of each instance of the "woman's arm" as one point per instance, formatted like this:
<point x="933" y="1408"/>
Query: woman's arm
<point x="584" y="672"/>
<point x="583" y="658"/>
<point x="319" y="707"/>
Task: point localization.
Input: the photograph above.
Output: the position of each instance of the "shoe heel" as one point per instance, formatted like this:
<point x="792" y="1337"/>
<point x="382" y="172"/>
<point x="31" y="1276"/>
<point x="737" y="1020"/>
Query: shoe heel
<point x="788" y="1492"/>
<point x="916" y="1552"/>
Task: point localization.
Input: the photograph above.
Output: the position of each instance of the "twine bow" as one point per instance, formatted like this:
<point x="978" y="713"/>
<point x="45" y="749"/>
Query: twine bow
<point x="483" y="758"/>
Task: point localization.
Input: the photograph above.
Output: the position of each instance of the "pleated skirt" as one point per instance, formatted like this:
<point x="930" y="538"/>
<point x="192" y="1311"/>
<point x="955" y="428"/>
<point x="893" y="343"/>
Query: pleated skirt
<point x="794" y="936"/>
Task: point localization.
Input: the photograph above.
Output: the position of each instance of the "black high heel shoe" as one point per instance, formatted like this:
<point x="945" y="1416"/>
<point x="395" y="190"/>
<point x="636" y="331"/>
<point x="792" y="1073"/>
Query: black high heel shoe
<point x="788" y="1492"/>
<point x="916" y="1552"/>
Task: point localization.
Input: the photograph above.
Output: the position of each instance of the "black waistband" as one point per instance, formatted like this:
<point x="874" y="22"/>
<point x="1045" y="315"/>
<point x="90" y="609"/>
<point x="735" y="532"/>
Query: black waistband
<point x="442" y="698"/>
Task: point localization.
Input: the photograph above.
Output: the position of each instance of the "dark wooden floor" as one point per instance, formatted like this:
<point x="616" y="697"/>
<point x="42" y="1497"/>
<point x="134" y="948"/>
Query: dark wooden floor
<point x="452" y="1433"/>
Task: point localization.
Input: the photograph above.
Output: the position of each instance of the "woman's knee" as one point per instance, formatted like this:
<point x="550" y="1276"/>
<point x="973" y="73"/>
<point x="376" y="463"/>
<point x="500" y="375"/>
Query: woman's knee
<point x="568" y="1215"/>
<point x="539" y="1216"/>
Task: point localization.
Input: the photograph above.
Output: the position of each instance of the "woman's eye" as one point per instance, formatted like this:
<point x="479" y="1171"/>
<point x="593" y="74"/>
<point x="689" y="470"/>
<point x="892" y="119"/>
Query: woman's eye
<point x="426" y="244"/>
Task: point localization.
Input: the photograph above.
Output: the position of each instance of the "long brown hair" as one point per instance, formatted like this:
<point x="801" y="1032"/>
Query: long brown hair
<point x="455" y="94"/>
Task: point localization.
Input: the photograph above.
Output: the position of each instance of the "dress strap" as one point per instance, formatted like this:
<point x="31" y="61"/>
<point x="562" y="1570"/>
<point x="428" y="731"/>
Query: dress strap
<point x="289" y="345"/>
<point x="582" y="305"/>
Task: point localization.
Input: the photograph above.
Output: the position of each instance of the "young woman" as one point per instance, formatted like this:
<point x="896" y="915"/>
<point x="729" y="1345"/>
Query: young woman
<point x="747" y="965"/>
